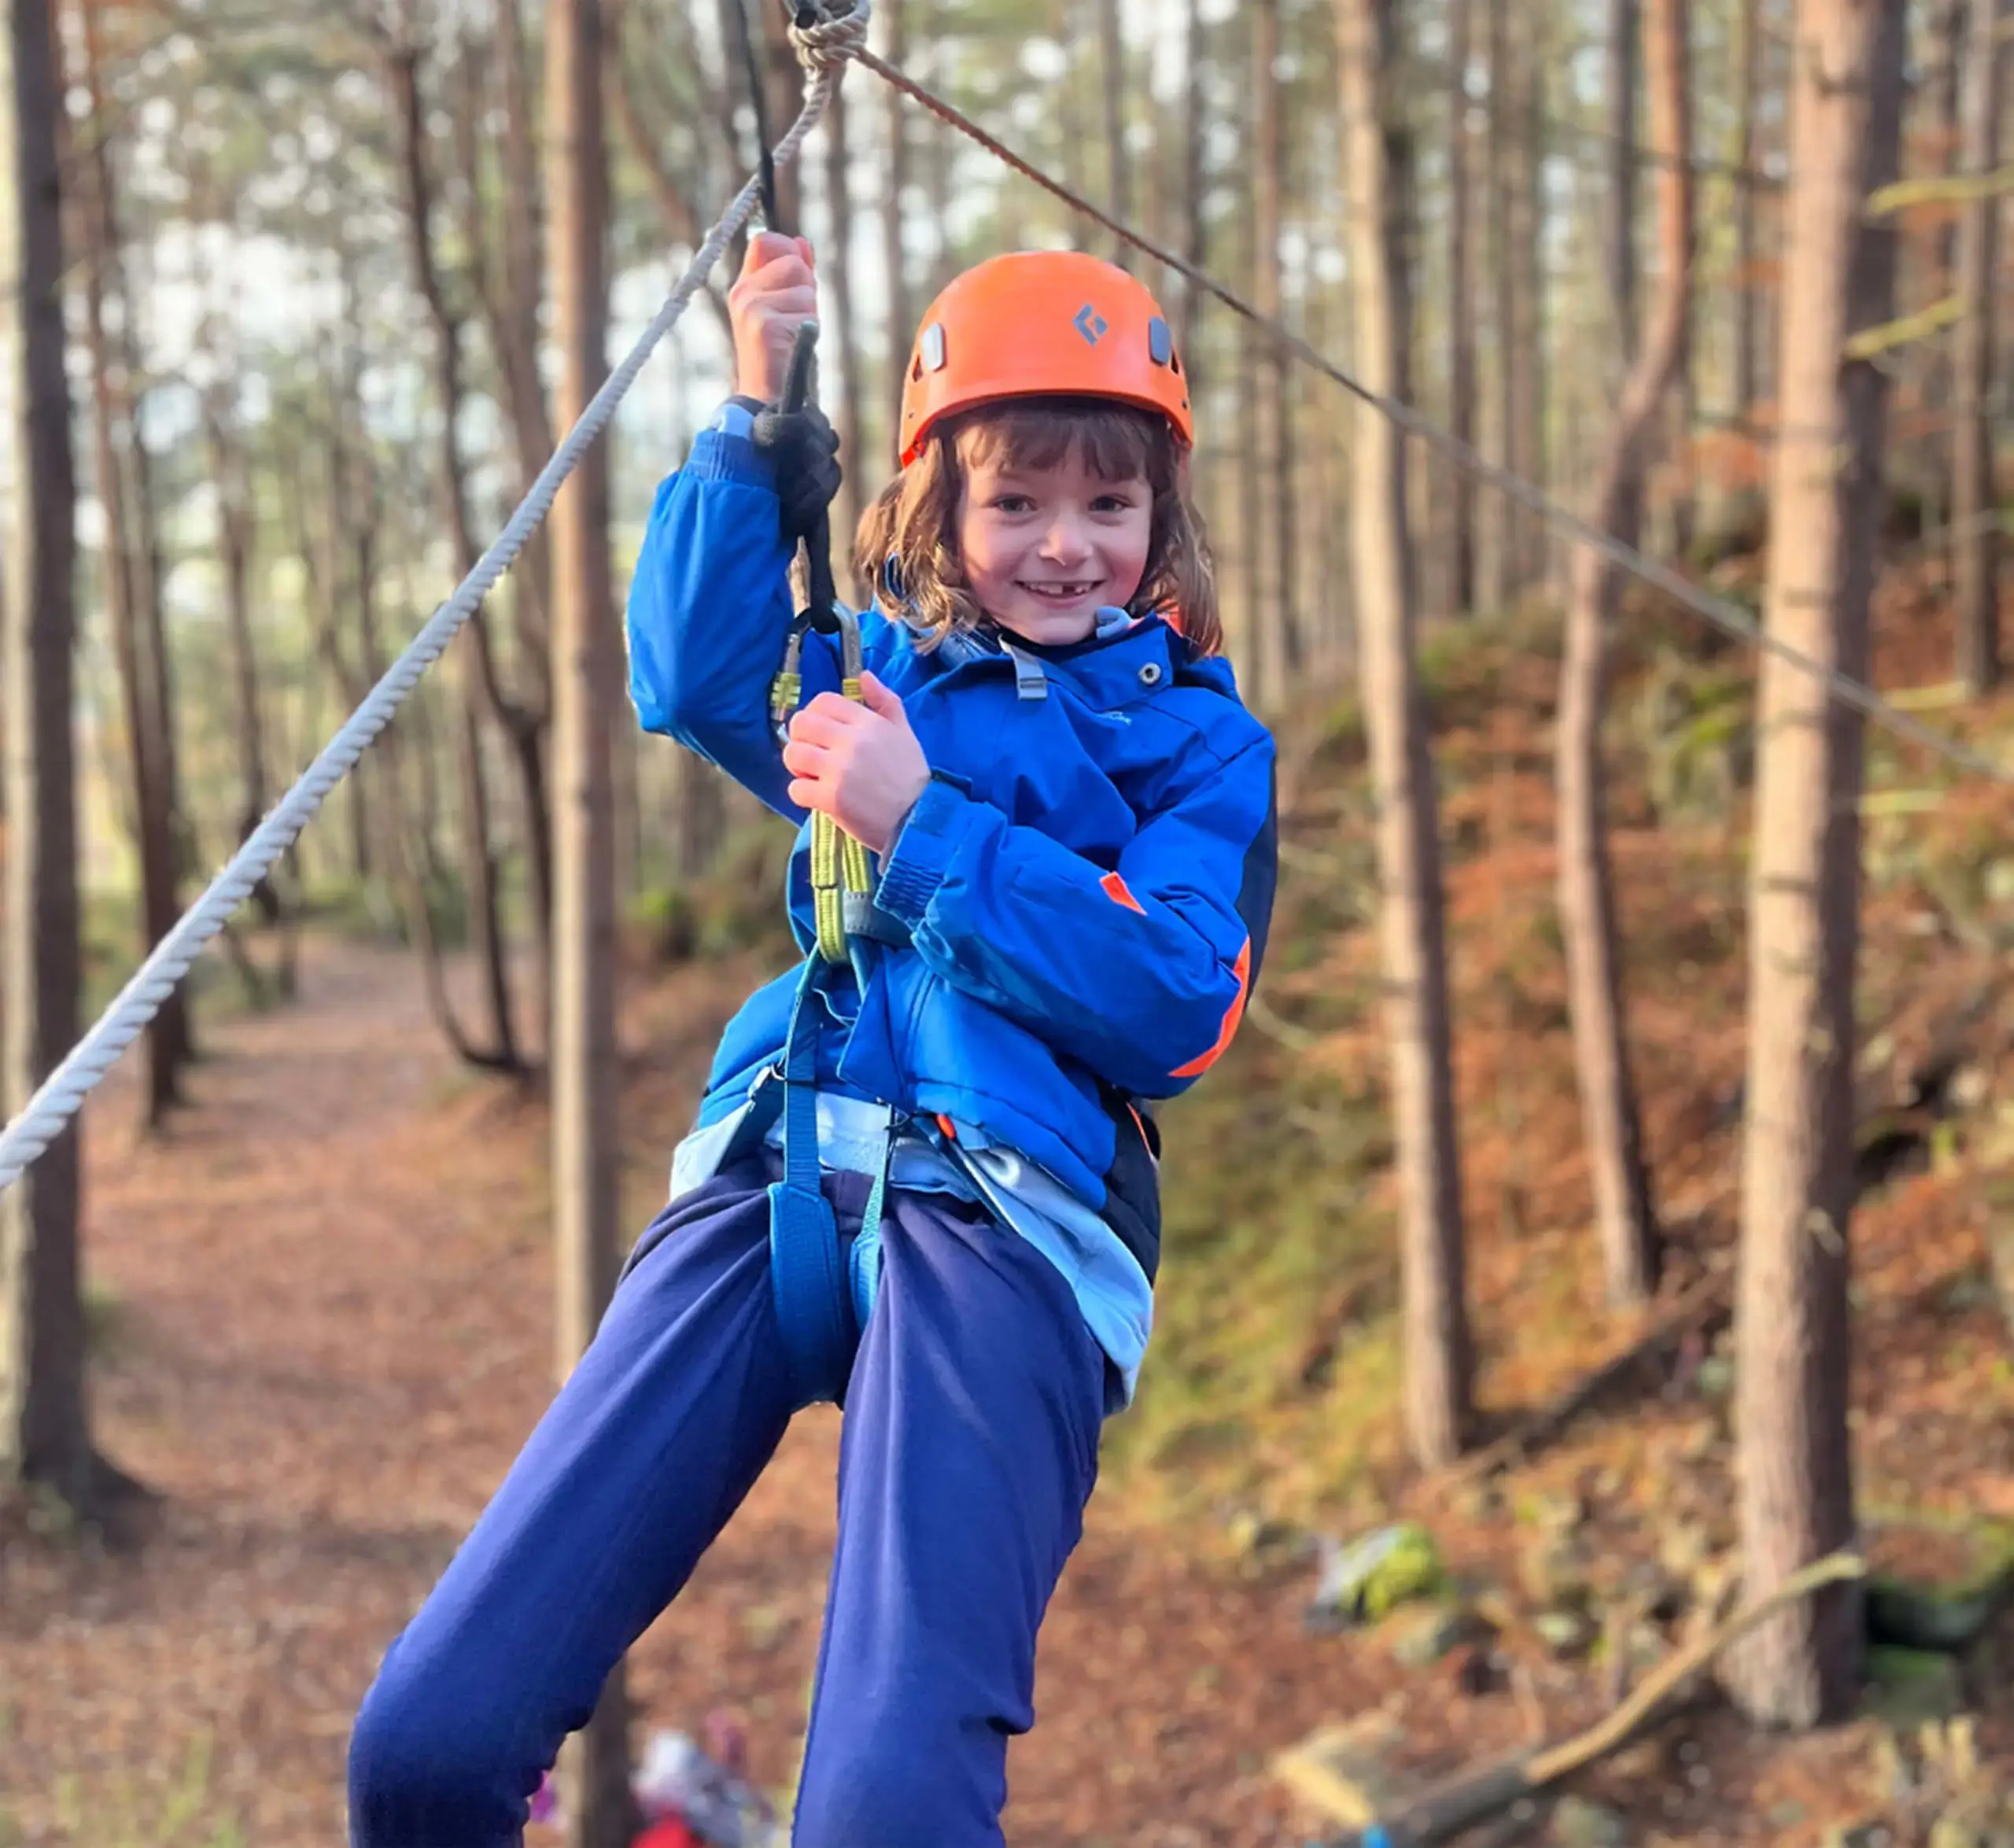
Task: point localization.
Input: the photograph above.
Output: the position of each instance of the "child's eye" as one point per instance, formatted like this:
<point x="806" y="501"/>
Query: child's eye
<point x="1107" y="504"/>
<point x="1011" y="503"/>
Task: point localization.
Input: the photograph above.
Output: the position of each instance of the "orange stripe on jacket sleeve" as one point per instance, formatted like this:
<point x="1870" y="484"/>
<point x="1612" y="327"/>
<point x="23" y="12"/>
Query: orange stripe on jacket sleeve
<point x="1232" y="1014"/>
<point x="1119" y="893"/>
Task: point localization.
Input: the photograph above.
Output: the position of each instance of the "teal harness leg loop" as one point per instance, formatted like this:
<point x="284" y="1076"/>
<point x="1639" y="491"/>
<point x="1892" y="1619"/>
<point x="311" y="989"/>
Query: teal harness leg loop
<point x="822" y="1299"/>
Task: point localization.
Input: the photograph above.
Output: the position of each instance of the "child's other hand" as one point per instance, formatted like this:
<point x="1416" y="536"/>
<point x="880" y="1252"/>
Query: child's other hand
<point x="774" y="294"/>
<point x="862" y="764"/>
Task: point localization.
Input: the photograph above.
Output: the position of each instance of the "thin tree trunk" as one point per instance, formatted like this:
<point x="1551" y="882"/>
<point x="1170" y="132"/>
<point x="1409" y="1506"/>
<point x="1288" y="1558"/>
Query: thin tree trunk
<point x="1625" y="28"/>
<point x="1499" y="569"/>
<point x="1748" y="92"/>
<point x="1194" y="213"/>
<point x="132" y="585"/>
<point x="45" y="1425"/>
<point x="476" y="671"/>
<point x="1268" y="574"/>
<point x="836" y="271"/>
<point x="1795" y="1467"/>
<point x="1976" y="558"/>
<point x="586" y="1149"/>
<point x="1936" y="375"/>
<point x="1624" y="1219"/>
<point x="940" y="169"/>
<point x="174" y="1021"/>
<point x="1528" y="272"/>
<point x="1439" y="1364"/>
<point x="1461" y="310"/>
<point x="894" y="255"/>
<point x="236" y="527"/>
<point x="511" y="300"/>
<point x="1117" y="176"/>
<point x="701" y="812"/>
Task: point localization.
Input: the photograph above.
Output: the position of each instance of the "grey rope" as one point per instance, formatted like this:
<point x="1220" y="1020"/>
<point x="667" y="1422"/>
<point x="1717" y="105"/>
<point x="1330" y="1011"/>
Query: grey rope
<point x="1728" y="616"/>
<point x="824" y="44"/>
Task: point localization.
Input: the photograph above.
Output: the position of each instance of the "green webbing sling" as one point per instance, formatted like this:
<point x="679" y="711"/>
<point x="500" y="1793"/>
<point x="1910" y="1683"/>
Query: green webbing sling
<point x="838" y="862"/>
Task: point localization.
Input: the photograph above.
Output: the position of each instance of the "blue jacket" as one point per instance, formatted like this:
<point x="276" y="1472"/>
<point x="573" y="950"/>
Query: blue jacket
<point x="1086" y="882"/>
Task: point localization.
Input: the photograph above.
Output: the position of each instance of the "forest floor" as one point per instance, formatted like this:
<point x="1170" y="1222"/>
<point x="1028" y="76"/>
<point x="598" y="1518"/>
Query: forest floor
<point x="323" y="1314"/>
<point x="321" y="1328"/>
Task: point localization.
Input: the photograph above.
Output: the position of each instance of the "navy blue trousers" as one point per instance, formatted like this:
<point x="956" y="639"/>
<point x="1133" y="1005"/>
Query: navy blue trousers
<point x="968" y="1449"/>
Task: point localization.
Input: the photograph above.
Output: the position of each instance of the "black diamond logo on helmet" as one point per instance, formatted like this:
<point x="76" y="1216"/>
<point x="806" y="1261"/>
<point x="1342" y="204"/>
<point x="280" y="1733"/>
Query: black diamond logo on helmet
<point x="1091" y="324"/>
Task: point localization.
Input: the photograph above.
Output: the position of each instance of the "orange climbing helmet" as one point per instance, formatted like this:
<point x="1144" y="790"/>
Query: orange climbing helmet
<point x="1055" y="322"/>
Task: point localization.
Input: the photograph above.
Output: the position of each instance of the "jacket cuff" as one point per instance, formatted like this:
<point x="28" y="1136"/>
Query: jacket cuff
<point x="920" y="856"/>
<point x="719" y="455"/>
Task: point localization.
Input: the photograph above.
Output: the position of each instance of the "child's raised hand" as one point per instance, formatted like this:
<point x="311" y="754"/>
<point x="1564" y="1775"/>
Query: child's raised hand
<point x="774" y="294"/>
<point x="860" y="764"/>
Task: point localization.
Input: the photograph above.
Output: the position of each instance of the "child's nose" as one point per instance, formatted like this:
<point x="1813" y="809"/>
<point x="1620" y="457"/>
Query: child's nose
<point x="1064" y="539"/>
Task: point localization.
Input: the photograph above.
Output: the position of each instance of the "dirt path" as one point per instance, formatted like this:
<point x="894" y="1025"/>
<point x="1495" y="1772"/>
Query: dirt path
<point x="325" y="1334"/>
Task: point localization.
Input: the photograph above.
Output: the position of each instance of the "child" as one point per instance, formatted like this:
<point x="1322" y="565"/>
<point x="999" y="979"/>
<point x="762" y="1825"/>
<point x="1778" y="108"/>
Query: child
<point x="933" y="1128"/>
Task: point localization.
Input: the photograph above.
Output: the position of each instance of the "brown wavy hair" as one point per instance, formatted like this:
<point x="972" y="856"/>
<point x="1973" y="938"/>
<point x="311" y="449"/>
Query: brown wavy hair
<point x="907" y="545"/>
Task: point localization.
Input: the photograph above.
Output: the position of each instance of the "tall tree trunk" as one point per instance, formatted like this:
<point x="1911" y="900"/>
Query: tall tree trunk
<point x="510" y="308"/>
<point x="895" y="254"/>
<point x="1461" y="308"/>
<point x="45" y="1426"/>
<point x="1112" y="69"/>
<point x="523" y="266"/>
<point x="1623" y="1216"/>
<point x="475" y="669"/>
<point x="837" y="268"/>
<point x="132" y="585"/>
<point x="1747" y="247"/>
<point x="1194" y="204"/>
<point x="1975" y="556"/>
<point x="1528" y="273"/>
<point x="1791" y="1329"/>
<point x="1269" y="572"/>
<point x="231" y="475"/>
<point x="1498" y="572"/>
<point x="586" y="1150"/>
<point x="1625" y="27"/>
<point x="1933" y="368"/>
<point x="700" y="807"/>
<point x="1439" y="1364"/>
<point x="174" y="1022"/>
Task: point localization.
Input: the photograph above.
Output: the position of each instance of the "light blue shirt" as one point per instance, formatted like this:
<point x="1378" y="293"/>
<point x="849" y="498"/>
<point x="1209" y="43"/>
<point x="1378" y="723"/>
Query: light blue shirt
<point x="1112" y="1293"/>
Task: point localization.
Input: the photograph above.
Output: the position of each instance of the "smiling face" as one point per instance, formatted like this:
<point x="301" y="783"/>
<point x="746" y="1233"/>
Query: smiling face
<point x="1045" y="544"/>
<point x="1034" y="512"/>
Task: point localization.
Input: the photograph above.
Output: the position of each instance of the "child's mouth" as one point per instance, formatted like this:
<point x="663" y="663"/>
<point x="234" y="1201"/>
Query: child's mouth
<point x="1071" y="592"/>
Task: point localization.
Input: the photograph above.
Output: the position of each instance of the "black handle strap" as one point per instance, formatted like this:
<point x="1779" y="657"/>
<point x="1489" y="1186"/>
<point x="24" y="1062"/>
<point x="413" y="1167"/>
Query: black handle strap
<point x="818" y="542"/>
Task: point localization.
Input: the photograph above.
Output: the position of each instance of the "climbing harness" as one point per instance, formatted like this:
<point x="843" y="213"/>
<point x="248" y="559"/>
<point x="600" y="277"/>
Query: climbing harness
<point x="822" y="1302"/>
<point x="825" y="39"/>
